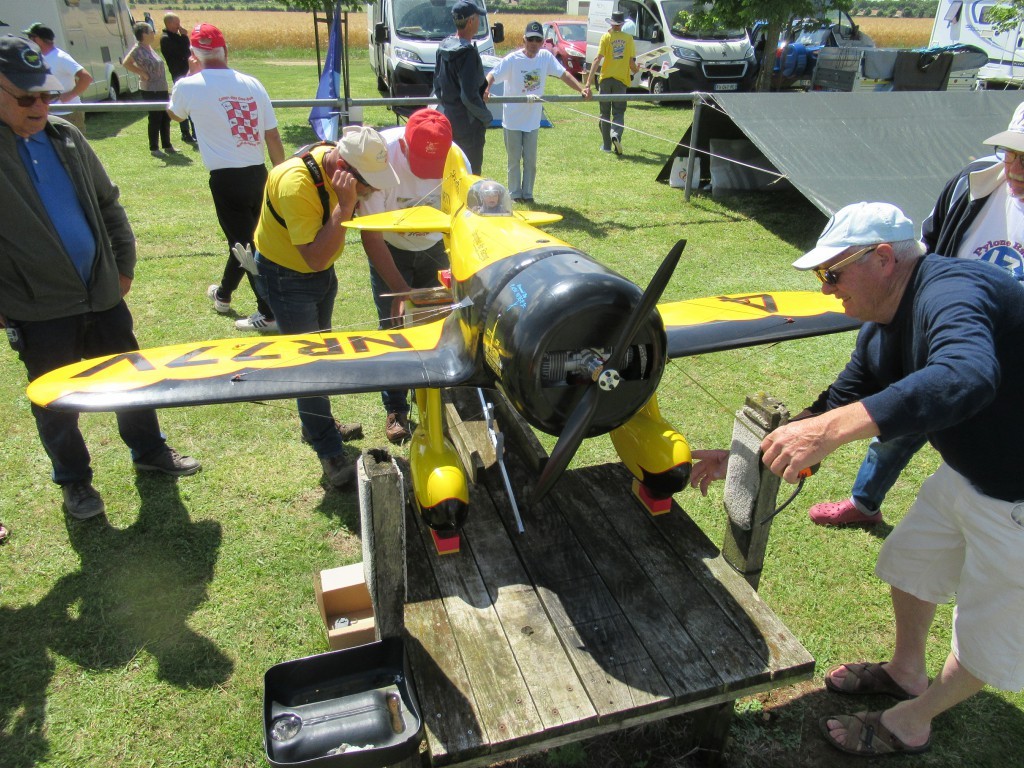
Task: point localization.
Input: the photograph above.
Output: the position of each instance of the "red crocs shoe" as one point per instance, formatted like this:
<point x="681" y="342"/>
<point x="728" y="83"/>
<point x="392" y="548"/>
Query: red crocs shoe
<point x="841" y="513"/>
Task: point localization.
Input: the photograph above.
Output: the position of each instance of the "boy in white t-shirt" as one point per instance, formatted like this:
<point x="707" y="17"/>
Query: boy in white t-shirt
<point x="524" y="73"/>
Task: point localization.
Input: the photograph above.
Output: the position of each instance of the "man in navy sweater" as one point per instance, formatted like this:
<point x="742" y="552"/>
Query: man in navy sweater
<point x="939" y="355"/>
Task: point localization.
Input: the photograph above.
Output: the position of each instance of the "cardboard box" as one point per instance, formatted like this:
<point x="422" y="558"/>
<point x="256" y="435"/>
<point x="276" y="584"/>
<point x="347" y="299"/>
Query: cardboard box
<point x="345" y="606"/>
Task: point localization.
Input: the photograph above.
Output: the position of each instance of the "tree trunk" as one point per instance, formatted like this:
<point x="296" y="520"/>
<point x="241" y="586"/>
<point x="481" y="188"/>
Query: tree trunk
<point x="771" y="44"/>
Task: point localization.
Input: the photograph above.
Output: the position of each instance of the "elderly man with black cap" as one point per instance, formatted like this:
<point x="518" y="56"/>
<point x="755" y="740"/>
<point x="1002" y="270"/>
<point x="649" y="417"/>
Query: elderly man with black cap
<point x="939" y="355"/>
<point x="299" y="236"/>
<point x="616" y="60"/>
<point x="67" y="258"/>
<point x="459" y="84"/>
<point x="74" y="78"/>
<point x="979" y="215"/>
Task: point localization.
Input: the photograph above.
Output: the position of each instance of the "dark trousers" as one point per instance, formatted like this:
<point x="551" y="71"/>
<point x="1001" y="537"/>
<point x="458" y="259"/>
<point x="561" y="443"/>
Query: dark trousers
<point x="238" y="198"/>
<point x="469" y="134"/>
<point x="159" y="128"/>
<point x="188" y="129"/>
<point x="419" y="268"/>
<point x="50" y="344"/>
<point x="303" y="302"/>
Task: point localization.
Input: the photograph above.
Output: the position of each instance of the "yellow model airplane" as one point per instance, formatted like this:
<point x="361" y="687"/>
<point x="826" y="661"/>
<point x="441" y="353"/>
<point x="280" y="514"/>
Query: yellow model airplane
<point x="576" y="348"/>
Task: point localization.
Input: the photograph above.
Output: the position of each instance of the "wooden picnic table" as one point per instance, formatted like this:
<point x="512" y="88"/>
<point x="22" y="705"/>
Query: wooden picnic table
<point x="597" y="617"/>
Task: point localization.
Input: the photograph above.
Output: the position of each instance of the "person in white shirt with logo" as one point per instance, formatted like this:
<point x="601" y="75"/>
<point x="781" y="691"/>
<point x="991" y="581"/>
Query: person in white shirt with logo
<point x="524" y="73"/>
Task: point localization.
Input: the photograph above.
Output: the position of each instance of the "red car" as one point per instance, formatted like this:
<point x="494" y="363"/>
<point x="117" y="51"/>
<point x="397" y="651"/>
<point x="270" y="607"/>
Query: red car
<point x="567" y="40"/>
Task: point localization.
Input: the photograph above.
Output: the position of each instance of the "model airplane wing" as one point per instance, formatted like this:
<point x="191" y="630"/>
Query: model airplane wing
<point x="718" y="323"/>
<point x="243" y="369"/>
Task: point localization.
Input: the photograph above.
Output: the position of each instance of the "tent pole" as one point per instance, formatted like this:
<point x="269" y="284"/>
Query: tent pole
<point x="694" y="127"/>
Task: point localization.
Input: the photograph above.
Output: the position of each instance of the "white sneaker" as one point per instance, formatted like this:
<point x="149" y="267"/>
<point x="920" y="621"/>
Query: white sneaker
<point x="616" y="145"/>
<point x="218" y="305"/>
<point x="257" y="321"/>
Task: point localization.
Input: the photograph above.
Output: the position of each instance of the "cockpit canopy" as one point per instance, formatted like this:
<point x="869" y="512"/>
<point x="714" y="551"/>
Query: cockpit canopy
<point x="489" y="198"/>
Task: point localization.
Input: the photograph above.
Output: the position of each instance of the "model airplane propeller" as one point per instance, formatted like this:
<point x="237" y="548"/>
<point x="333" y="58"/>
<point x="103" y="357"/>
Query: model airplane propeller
<point x="576" y="348"/>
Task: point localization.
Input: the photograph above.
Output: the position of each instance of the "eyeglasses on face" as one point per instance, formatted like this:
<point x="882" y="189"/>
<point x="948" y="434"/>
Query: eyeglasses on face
<point x="830" y="276"/>
<point x="1008" y="155"/>
<point x="29" y="99"/>
<point x="358" y="176"/>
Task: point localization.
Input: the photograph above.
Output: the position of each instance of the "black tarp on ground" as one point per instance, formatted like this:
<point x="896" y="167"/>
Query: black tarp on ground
<point x="841" y="148"/>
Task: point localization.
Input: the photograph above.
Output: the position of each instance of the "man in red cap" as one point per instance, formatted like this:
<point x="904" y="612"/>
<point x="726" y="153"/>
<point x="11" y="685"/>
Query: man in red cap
<point x="235" y="123"/>
<point x="401" y="261"/>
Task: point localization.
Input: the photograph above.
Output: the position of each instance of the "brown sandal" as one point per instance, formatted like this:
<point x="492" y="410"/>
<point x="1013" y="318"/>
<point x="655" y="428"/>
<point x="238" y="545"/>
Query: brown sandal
<point x="866" y="678"/>
<point x="867" y="737"/>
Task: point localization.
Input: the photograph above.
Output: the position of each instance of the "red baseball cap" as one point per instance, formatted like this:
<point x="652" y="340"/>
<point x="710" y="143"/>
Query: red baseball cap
<point x="207" y="37"/>
<point x="428" y="137"/>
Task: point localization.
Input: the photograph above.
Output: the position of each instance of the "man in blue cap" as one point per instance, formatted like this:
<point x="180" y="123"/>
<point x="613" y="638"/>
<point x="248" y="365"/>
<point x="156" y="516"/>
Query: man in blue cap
<point x="459" y="84"/>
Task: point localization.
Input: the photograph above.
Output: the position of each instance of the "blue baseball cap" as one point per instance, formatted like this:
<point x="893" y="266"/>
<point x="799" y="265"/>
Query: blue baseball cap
<point x="22" y="64"/>
<point x="464" y="10"/>
<point x="858" y="224"/>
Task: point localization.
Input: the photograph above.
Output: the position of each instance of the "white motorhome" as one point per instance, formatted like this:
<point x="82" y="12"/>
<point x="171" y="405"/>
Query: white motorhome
<point x="682" y="58"/>
<point x="404" y="35"/>
<point x="97" y="34"/>
<point x="967" y="22"/>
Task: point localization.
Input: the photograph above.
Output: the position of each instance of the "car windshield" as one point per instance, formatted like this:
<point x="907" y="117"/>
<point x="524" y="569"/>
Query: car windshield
<point x="680" y="14"/>
<point x="429" y="19"/>
<point x="573" y="33"/>
<point x="814" y="36"/>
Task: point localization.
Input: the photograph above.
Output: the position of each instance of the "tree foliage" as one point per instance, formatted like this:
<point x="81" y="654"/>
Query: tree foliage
<point x="321" y="6"/>
<point x="1007" y="15"/>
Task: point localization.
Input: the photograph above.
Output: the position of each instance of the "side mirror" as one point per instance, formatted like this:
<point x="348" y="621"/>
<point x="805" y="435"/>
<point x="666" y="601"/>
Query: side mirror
<point x="380" y="33"/>
<point x="498" y="33"/>
<point x="656" y="34"/>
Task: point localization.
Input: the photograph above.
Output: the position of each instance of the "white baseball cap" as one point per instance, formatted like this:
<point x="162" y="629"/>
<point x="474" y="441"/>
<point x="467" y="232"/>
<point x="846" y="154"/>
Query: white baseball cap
<point x="858" y="224"/>
<point x="364" y="149"/>
<point x="1013" y="136"/>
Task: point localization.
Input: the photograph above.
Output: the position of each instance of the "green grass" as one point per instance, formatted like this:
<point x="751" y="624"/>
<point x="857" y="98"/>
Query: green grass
<point x="145" y="642"/>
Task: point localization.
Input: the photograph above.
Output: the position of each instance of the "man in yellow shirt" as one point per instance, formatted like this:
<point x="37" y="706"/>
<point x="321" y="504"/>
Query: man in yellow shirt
<point x="616" y="57"/>
<point x="298" y="239"/>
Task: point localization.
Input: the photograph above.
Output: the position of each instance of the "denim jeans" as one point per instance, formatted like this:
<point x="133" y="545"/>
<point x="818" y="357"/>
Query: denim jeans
<point x="521" y="148"/>
<point x="881" y="468"/>
<point x="419" y="269"/>
<point x="613" y="111"/>
<point x="50" y="344"/>
<point x="303" y="302"/>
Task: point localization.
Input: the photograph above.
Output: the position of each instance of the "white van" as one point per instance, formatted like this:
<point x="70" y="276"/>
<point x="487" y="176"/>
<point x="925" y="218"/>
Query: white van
<point x="675" y="58"/>
<point x="403" y="38"/>
<point x="97" y="34"/>
<point x="960" y="22"/>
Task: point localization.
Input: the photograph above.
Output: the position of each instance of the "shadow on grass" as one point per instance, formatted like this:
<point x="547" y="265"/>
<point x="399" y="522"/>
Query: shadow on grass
<point x="106" y="125"/>
<point x="134" y="592"/>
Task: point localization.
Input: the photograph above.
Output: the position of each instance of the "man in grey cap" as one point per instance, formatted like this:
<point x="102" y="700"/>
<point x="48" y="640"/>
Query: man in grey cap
<point x="459" y="84"/>
<point x="939" y="355"/>
<point x="68" y="258"/>
<point x="979" y="215"/>
<point x="73" y="77"/>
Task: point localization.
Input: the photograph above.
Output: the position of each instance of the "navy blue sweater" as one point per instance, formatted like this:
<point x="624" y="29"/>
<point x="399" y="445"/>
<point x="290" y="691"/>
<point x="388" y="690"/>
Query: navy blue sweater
<point x="950" y="365"/>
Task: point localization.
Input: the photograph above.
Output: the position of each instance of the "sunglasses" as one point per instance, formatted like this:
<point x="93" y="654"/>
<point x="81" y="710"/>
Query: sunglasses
<point x="1008" y="155"/>
<point x="29" y="99"/>
<point x="351" y="169"/>
<point x="830" y="276"/>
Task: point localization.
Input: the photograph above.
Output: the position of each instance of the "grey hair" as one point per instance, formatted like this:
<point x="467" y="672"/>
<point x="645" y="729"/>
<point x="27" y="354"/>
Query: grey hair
<point x="906" y="250"/>
<point x="216" y="56"/>
<point x="170" y="15"/>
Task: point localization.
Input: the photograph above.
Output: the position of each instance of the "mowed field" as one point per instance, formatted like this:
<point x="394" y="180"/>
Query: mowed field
<point x="268" y="30"/>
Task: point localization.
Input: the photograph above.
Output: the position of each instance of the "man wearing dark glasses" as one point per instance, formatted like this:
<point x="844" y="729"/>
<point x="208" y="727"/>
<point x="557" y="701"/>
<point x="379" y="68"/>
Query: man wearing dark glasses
<point x="979" y="215"/>
<point x="67" y="259"/>
<point x="939" y="355"/>
<point x="298" y="238"/>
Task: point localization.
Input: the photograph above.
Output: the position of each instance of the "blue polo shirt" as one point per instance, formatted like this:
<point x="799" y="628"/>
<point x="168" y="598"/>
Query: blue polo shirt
<point x="55" y="189"/>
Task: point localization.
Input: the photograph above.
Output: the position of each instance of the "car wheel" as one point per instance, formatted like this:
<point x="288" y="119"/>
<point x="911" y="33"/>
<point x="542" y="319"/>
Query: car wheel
<point x="659" y="87"/>
<point x="113" y="88"/>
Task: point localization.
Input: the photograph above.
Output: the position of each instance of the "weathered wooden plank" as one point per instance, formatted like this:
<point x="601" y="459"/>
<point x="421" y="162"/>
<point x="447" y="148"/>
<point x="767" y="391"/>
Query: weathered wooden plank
<point x="449" y="711"/>
<point x="382" y="517"/>
<point x="469" y="437"/>
<point x="557" y="692"/>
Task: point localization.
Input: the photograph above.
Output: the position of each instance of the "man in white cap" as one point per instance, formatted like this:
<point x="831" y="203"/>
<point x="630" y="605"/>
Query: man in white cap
<point x="616" y="60"/>
<point x="939" y="355"/>
<point x="299" y="237"/>
<point x="979" y="215"/>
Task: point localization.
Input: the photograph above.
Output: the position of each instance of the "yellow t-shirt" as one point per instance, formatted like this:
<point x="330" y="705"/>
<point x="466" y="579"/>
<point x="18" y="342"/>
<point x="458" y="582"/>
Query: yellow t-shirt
<point x="618" y="50"/>
<point x="290" y="189"/>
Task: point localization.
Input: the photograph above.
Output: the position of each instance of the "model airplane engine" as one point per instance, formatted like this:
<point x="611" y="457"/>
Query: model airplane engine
<point x="546" y="337"/>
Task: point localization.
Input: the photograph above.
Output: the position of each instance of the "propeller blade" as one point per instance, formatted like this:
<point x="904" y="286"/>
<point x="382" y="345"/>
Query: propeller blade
<point x="647" y="303"/>
<point x="579" y="421"/>
<point x="568" y="442"/>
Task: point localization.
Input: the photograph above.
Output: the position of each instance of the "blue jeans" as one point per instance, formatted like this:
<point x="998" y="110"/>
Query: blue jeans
<point x="521" y="148"/>
<point x="881" y="468"/>
<point x="613" y="111"/>
<point x="419" y="269"/>
<point x="303" y="302"/>
<point x="50" y="344"/>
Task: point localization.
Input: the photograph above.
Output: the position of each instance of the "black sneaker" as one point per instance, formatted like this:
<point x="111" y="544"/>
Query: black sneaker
<point x="616" y="145"/>
<point x="168" y="461"/>
<point x="82" y="501"/>
<point x="340" y="470"/>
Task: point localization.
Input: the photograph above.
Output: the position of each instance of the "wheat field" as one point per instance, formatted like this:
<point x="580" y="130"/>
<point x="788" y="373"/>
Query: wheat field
<point x="269" y="30"/>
